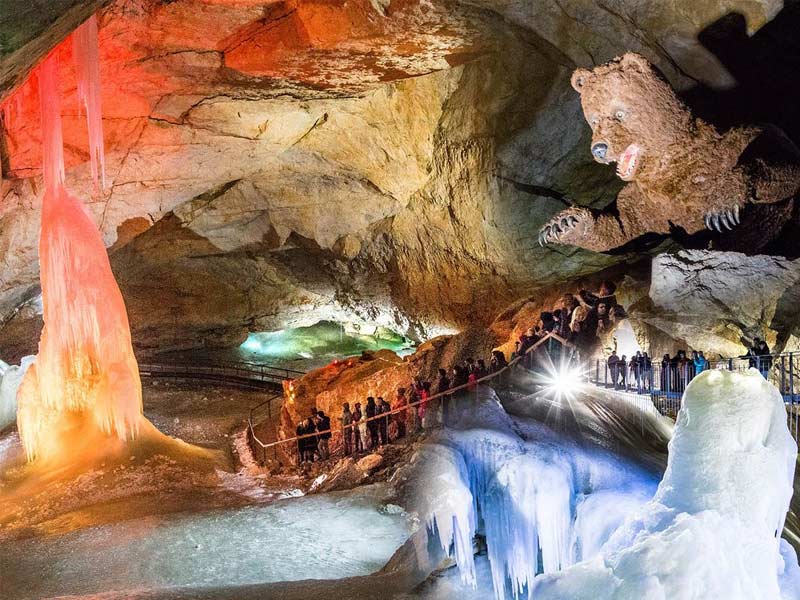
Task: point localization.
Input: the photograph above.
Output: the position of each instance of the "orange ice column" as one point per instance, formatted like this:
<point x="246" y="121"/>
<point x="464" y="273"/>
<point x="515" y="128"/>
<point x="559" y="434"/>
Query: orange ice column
<point x="83" y="395"/>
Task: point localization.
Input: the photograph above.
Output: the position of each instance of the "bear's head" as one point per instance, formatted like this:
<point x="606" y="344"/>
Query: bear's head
<point x="637" y="120"/>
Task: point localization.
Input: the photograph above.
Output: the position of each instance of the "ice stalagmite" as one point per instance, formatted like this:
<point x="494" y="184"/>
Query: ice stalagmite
<point x="83" y="394"/>
<point x="87" y="65"/>
<point x="713" y="529"/>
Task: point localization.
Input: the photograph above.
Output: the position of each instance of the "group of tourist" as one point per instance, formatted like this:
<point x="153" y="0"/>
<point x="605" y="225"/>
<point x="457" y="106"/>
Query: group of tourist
<point x="313" y="435"/>
<point x="759" y="356"/>
<point x="581" y="319"/>
<point x="676" y="371"/>
<point x="578" y="318"/>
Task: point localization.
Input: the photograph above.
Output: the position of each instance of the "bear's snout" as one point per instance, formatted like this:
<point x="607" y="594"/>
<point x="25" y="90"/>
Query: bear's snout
<point x="599" y="151"/>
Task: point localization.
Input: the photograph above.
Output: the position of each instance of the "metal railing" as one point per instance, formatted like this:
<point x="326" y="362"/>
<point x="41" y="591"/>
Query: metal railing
<point x="552" y="343"/>
<point x="242" y="374"/>
<point x="665" y="383"/>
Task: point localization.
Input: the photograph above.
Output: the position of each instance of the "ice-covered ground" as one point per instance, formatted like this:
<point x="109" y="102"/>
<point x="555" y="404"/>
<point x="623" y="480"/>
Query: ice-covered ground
<point x="567" y="520"/>
<point x="327" y="536"/>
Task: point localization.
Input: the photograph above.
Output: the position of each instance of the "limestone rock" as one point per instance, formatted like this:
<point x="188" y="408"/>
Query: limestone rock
<point x="369" y="463"/>
<point x="717" y="301"/>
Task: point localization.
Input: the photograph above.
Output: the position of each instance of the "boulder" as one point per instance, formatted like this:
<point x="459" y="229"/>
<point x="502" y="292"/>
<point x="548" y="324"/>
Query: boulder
<point x="719" y="301"/>
<point x="369" y="463"/>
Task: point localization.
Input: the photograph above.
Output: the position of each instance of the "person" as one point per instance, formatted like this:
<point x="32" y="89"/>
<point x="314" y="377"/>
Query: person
<point x="470" y="365"/>
<point x="622" y="369"/>
<point x="301" y="443"/>
<point x="666" y="380"/>
<point x="359" y="428"/>
<point x="324" y="428"/>
<point x="546" y="322"/>
<point x="647" y="371"/>
<point x="308" y="444"/>
<point x="691" y="365"/>
<point x="384" y="409"/>
<point x="613" y="367"/>
<point x="480" y="369"/>
<point x="442" y="383"/>
<point x="498" y="362"/>
<point x="752" y="353"/>
<point x="372" y="423"/>
<point x="347" y="429"/>
<point x="636" y="368"/>
<point x="764" y="357"/>
<point x="517" y="350"/>
<point x="460" y="376"/>
<point x="700" y="363"/>
<point x="424" y="394"/>
<point x="526" y="340"/>
<point x="400" y="404"/>
<point x="680" y="365"/>
<point x="556" y="314"/>
<point x="313" y="442"/>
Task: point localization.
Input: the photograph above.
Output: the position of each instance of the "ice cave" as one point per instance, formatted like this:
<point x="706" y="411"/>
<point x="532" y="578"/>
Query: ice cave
<point x="433" y="300"/>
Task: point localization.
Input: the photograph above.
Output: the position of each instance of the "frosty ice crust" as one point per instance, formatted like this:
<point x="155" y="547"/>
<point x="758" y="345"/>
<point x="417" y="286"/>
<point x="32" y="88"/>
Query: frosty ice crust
<point x="713" y="528"/>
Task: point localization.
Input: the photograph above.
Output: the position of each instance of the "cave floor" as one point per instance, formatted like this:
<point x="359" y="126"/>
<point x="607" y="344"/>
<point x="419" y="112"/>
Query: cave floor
<point x="166" y="525"/>
<point x="148" y="483"/>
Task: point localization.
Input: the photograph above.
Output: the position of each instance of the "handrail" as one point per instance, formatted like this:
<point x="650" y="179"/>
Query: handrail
<point x="405" y="407"/>
<point x="227" y="371"/>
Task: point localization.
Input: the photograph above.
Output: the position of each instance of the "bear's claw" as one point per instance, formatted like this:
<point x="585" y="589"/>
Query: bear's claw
<point x="557" y="227"/>
<point x="728" y="219"/>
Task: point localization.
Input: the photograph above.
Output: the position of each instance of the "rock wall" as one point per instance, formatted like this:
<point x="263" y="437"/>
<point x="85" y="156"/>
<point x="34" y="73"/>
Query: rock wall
<point x="719" y="301"/>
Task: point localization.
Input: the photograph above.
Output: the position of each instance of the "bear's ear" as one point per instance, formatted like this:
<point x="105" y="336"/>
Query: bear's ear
<point x="635" y="62"/>
<point x="579" y="78"/>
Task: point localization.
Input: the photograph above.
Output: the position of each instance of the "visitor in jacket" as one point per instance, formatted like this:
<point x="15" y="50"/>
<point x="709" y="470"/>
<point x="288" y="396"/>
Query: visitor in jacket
<point x="700" y="363"/>
<point x="347" y="429"/>
<point x="383" y="408"/>
<point x="359" y="428"/>
<point x="401" y="414"/>
<point x="324" y="428"/>
<point x="372" y="423"/>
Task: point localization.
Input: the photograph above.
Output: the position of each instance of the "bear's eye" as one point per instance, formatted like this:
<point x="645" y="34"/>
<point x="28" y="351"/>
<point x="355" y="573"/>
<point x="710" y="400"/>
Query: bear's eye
<point x="619" y="115"/>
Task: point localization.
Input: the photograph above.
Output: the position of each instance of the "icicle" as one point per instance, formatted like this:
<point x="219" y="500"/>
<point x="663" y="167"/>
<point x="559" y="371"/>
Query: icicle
<point x="87" y="64"/>
<point x="52" y="140"/>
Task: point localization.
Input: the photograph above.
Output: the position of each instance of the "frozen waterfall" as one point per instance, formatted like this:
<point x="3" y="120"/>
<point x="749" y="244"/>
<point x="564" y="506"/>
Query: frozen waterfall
<point x="541" y="501"/>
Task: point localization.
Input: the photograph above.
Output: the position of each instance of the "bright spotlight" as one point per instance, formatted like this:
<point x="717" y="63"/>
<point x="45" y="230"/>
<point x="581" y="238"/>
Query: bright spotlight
<point x="563" y="381"/>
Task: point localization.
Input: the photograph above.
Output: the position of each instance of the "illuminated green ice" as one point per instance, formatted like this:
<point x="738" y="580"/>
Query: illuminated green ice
<point x="326" y="339"/>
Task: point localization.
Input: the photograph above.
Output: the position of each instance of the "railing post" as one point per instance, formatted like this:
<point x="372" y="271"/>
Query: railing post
<point x="783" y="375"/>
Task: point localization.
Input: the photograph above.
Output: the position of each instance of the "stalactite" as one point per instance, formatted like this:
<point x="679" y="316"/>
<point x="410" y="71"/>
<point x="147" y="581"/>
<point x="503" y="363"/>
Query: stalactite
<point x="87" y="65"/>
